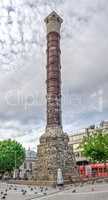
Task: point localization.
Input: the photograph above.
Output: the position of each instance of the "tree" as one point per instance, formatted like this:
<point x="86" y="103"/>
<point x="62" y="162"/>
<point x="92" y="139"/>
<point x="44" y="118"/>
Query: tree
<point x="12" y="155"/>
<point x="95" y="146"/>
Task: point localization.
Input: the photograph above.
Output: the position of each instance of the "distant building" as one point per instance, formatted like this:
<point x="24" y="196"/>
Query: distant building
<point x="26" y="170"/>
<point x="104" y="125"/>
<point x="76" y="139"/>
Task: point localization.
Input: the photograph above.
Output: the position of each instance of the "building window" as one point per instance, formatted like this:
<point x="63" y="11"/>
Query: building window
<point x="30" y="166"/>
<point x="25" y="166"/>
<point x="77" y="154"/>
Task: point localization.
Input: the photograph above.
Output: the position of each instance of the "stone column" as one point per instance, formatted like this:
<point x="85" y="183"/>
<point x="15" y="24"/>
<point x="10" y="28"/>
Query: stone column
<point x="53" y="24"/>
<point x="53" y="152"/>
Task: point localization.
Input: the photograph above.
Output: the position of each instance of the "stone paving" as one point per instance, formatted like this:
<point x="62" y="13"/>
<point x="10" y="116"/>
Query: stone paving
<point x="19" y="192"/>
<point x="81" y="192"/>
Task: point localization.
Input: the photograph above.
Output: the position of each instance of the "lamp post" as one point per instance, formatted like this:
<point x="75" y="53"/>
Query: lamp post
<point x="14" y="175"/>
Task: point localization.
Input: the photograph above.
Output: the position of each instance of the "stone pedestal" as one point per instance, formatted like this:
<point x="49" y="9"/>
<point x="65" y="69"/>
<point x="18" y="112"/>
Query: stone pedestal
<point x="53" y="153"/>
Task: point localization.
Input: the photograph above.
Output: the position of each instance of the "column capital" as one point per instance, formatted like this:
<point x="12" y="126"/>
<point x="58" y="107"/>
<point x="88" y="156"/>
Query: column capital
<point x="53" y="23"/>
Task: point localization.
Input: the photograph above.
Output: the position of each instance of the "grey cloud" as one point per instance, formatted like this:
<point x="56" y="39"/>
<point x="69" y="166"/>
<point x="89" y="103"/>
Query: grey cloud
<point x="84" y="45"/>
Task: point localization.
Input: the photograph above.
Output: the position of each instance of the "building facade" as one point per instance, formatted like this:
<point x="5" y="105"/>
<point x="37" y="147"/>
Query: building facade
<point x="104" y="125"/>
<point x="75" y="140"/>
<point x="27" y="168"/>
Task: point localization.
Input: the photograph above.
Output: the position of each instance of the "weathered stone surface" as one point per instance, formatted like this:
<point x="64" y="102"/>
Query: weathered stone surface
<point x="53" y="152"/>
<point x="53" y="80"/>
<point x="53" y="22"/>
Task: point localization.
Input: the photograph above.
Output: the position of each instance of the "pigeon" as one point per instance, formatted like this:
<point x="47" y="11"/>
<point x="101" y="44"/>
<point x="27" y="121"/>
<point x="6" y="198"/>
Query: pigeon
<point x="31" y="189"/>
<point x="45" y="193"/>
<point x="5" y="194"/>
<point x="46" y="189"/>
<point x="41" y="189"/>
<point x="3" y="197"/>
<point x="24" y="192"/>
<point x="73" y="191"/>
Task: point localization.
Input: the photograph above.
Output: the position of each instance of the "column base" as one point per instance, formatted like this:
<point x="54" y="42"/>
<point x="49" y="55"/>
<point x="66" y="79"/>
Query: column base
<point x="53" y="153"/>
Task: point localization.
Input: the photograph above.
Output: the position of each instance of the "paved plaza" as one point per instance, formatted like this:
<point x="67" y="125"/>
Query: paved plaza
<point x="21" y="192"/>
<point x="81" y="192"/>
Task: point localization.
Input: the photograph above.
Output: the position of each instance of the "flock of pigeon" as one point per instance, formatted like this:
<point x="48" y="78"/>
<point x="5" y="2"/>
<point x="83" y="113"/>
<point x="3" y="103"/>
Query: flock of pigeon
<point x="20" y="192"/>
<point x="28" y="192"/>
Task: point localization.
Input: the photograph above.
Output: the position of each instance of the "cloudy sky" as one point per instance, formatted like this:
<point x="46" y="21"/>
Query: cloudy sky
<point x="84" y="45"/>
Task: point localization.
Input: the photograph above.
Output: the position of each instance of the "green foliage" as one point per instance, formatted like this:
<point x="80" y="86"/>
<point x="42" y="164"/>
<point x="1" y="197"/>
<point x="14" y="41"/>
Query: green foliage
<point x="12" y="155"/>
<point x="95" y="146"/>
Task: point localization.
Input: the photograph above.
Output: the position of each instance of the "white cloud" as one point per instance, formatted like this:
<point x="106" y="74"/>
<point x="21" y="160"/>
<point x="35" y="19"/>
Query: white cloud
<point x="84" y="46"/>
